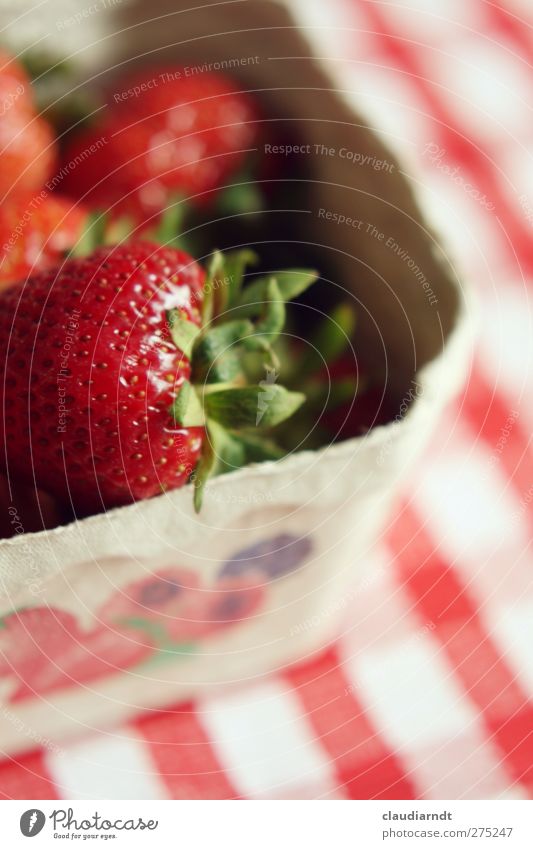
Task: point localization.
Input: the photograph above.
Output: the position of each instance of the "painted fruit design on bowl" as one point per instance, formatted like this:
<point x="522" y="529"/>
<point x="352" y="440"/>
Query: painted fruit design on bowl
<point x="160" y="616"/>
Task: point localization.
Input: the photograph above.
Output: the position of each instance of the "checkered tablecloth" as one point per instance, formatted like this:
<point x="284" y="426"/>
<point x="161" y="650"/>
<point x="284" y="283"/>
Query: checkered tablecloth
<point x="428" y="693"/>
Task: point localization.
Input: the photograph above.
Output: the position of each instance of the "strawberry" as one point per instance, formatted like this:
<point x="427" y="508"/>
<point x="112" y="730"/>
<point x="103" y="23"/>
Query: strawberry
<point x="35" y="231"/>
<point x="27" y="142"/>
<point x="117" y="365"/>
<point x="182" y="135"/>
<point x="27" y="154"/>
<point x="15" y="88"/>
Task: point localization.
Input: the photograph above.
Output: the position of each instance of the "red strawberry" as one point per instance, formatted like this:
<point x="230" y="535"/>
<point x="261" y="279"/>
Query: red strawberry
<point x="89" y="342"/>
<point x="34" y="233"/>
<point x="15" y="87"/>
<point x="109" y="384"/>
<point x="27" y="142"/>
<point x="27" y="153"/>
<point x="183" y="135"/>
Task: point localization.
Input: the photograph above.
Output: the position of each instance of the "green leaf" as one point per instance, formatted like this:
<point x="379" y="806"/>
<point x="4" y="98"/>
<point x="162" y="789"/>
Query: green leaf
<point x="331" y="339"/>
<point x="217" y="340"/>
<point x="266" y="404"/>
<point x="154" y="629"/>
<point x="290" y="283"/>
<point x="92" y="236"/>
<point x="235" y="450"/>
<point x="215" y="357"/>
<point x="119" y="230"/>
<point x="259" y="448"/>
<point x="205" y="468"/>
<point x="235" y="264"/>
<point x="170" y="224"/>
<point x="215" y="269"/>
<point x="334" y="334"/>
<point x="40" y="63"/>
<point x="187" y="408"/>
<point x="240" y="199"/>
<point x="182" y="331"/>
<point x="272" y="320"/>
<point x="163" y="650"/>
<point x="229" y="451"/>
<point x="334" y="394"/>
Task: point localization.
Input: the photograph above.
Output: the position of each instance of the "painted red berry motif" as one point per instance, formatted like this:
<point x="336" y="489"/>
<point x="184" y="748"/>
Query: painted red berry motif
<point x="163" y="616"/>
<point x="43" y="649"/>
<point x="274" y="557"/>
<point x="164" y="134"/>
<point x="173" y="607"/>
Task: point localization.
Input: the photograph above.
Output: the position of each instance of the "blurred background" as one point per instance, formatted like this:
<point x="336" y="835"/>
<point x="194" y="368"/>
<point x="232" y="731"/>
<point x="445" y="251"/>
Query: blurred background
<point x="428" y="692"/>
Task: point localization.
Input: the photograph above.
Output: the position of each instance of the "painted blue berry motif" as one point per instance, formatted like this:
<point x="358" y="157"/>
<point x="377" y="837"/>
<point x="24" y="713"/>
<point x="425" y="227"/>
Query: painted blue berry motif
<point x="275" y="557"/>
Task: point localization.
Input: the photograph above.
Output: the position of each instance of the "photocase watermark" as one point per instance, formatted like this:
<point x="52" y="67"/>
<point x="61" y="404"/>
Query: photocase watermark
<point x="33" y="581"/>
<point x="415" y="391"/>
<point x="63" y="823"/>
<point x="88" y="12"/>
<point x="266" y="393"/>
<point x="64" y="373"/>
<point x="11" y="99"/>
<point x="525" y="501"/>
<point x="505" y="433"/>
<point x="436" y="155"/>
<point x="527" y="208"/>
<point x="364" y="160"/>
<point x="184" y="73"/>
<point x="253" y="498"/>
<point x="29" y="732"/>
<point x="336" y="606"/>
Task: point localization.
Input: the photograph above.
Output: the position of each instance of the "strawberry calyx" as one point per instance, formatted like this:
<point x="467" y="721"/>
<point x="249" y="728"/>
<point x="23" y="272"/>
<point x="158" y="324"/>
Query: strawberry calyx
<point x="237" y="412"/>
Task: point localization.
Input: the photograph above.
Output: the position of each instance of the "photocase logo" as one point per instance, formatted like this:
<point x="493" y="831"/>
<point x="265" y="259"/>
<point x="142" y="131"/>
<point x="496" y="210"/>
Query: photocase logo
<point x="32" y="822"/>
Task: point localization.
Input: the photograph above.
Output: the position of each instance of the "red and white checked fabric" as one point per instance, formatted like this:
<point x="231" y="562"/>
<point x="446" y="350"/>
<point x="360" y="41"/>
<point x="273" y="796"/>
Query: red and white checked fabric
<point x="428" y="693"/>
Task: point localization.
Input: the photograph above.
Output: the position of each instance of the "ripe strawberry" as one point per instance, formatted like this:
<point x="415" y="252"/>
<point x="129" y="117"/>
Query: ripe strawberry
<point x="27" y="154"/>
<point x="183" y="135"/>
<point x="27" y="142"/>
<point x="88" y="343"/>
<point x="99" y="404"/>
<point x="35" y="232"/>
<point x="15" y="87"/>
